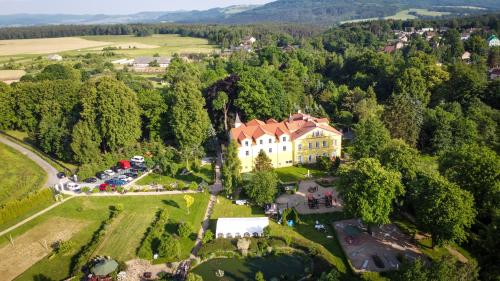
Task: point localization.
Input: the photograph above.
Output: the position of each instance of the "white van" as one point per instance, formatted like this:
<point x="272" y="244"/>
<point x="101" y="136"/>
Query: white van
<point x="137" y="159"/>
<point x="73" y="186"/>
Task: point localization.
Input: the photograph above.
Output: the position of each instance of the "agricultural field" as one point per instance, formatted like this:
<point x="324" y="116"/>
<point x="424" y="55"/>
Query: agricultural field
<point x="123" y="236"/>
<point x="414" y="13"/>
<point x="9" y="76"/>
<point x="20" y="176"/>
<point x="46" y="45"/>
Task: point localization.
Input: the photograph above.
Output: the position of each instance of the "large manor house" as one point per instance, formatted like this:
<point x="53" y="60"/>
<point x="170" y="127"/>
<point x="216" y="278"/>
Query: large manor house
<point x="301" y="139"/>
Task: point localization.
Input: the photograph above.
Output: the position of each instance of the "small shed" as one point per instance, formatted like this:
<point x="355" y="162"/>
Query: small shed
<point x="241" y="227"/>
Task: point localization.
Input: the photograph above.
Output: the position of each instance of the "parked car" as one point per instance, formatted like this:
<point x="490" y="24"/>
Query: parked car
<point x="102" y="175"/>
<point x="103" y="186"/>
<point x="90" y="180"/>
<point x="137" y="159"/>
<point x="124" y="164"/>
<point x="125" y="178"/>
<point x="131" y="174"/>
<point x="61" y="175"/>
<point x="116" y="182"/>
<point x="73" y="186"/>
<point x="109" y="172"/>
<point x="117" y="169"/>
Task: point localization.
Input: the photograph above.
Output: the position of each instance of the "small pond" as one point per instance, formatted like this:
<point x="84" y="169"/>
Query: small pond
<point x="292" y="266"/>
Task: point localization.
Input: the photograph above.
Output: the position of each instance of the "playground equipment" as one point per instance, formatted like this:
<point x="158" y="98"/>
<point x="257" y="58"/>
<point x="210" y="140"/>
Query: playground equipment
<point x="328" y="199"/>
<point x="312" y="202"/>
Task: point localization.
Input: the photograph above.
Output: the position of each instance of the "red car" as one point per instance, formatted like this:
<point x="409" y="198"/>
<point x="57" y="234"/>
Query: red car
<point x="124" y="164"/>
<point x="104" y="186"/>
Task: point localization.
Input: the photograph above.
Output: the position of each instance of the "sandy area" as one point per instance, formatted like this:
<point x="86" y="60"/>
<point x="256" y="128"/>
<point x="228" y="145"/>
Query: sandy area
<point x="9" y="76"/>
<point x="46" y="45"/>
<point x="136" y="268"/>
<point x="30" y="247"/>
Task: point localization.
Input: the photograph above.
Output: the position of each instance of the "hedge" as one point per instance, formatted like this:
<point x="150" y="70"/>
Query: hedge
<point x="155" y="231"/>
<point x="16" y="208"/>
<point x="79" y="260"/>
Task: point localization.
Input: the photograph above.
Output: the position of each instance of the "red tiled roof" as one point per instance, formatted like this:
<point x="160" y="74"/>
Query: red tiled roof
<point x="296" y="126"/>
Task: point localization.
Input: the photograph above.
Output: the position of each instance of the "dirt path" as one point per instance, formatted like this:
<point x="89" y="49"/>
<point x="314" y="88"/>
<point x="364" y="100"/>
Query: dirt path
<point x="51" y="171"/>
<point x="456" y="254"/>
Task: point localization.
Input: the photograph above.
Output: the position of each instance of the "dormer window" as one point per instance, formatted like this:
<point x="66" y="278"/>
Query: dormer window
<point x="270" y="140"/>
<point x="246" y="143"/>
<point x="261" y="142"/>
<point x="284" y="138"/>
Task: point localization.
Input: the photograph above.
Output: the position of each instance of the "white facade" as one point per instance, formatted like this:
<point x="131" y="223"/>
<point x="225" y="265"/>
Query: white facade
<point x="54" y="57"/>
<point x="240" y="227"/>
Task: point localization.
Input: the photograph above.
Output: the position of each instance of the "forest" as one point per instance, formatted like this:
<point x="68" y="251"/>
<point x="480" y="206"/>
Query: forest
<point x="422" y="101"/>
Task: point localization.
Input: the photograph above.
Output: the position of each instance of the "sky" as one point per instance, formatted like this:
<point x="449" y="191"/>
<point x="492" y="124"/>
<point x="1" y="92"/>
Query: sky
<point x="112" y="6"/>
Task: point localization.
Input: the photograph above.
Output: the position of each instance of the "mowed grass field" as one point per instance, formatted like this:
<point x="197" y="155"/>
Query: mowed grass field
<point x="408" y="14"/>
<point x="45" y="45"/>
<point x="19" y="175"/>
<point x="124" y="235"/>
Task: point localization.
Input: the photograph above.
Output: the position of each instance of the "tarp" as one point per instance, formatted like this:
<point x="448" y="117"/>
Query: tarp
<point x="105" y="267"/>
<point x="241" y="226"/>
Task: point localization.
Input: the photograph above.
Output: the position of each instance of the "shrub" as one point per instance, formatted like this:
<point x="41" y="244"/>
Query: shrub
<point x="193" y="186"/>
<point x="63" y="247"/>
<point x="209" y="236"/>
<point x="156" y="229"/>
<point x="184" y="229"/>
<point x="169" y="248"/>
<point x="16" y="208"/>
<point x="217" y="245"/>
<point x="193" y="277"/>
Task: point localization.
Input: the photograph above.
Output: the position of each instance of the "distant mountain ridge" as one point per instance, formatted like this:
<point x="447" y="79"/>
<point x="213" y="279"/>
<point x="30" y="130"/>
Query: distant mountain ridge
<point x="322" y="12"/>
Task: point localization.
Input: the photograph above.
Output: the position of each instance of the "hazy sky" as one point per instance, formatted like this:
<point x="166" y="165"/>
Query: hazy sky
<point x="112" y="6"/>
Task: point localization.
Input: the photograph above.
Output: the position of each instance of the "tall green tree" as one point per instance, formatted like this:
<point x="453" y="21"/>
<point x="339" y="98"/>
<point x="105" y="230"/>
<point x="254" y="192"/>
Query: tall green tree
<point x="442" y="208"/>
<point x="477" y="170"/>
<point x="399" y="156"/>
<point x="370" y="137"/>
<point x="153" y="109"/>
<point x="263" y="187"/>
<point x="221" y="102"/>
<point x="403" y="117"/>
<point x="231" y="168"/>
<point x="369" y="191"/>
<point x="7" y="114"/>
<point x="263" y="162"/>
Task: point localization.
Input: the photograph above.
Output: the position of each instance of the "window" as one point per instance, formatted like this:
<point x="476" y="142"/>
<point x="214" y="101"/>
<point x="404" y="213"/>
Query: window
<point x="317" y="144"/>
<point x="284" y="138"/>
<point x="270" y="150"/>
<point x="270" y="141"/>
<point x="261" y="142"/>
<point x="335" y="142"/>
<point x="310" y="145"/>
<point x="284" y="148"/>
<point x="324" y="154"/>
<point x="247" y="153"/>
<point x="300" y="146"/>
<point x="310" y="158"/>
<point x="300" y="159"/>
<point x="246" y="143"/>
<point x="325" y="143"/>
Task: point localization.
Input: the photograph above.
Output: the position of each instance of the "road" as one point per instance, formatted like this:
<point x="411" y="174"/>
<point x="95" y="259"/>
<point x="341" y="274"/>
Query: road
<point x="51" y="171"/>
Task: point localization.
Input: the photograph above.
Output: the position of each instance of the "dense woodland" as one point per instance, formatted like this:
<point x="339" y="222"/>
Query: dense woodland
<point x="419" y="103"/>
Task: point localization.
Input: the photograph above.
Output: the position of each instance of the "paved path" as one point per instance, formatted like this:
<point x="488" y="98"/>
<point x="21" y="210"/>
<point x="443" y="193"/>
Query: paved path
<point x="34" y="216"/>
<point x="51" y="171"/>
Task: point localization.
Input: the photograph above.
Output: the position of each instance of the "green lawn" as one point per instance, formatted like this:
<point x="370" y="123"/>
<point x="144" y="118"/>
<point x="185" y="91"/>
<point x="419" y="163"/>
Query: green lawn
<point x="289" y="174"/>
<point x="125" y="233"/>
<point x="19" y="175"/>
<point x="305" y="233"/>
<point x="410" y="14"/>
<point x="206" y="173"/>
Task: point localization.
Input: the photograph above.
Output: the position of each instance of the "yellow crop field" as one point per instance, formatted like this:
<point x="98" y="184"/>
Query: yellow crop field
<point x="46" y="45"/>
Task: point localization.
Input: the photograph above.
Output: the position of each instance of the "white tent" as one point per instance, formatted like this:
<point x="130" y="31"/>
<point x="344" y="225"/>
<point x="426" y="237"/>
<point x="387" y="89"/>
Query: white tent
<point x="241" y="227"/>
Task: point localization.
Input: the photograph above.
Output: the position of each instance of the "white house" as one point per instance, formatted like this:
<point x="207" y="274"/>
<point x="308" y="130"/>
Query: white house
<point x="493" y="41"/>
<point x="241" y="227"/>
<point x="123" y="61"/>
<point x="54" y="57"/>
<point x="143" y="62"/>
<point x="248" y="40"/>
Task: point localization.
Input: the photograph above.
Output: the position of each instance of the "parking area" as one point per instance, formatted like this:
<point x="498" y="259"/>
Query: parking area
<point x="122" y="174"/>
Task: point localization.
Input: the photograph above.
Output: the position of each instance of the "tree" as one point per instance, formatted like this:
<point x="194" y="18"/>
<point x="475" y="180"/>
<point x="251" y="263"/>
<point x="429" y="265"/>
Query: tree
<point x="455" y="47"/>
<point x="333" y="275"/>
<point x="413" y="84"/>
<point x="221" y="102"/>
<point x="477" y="170"/>
<point x="58" y="72"/>
<point x="7" y="114"/>
<point x="443" y="269"/>
<point x="442" y="208"/>
<point x="403" y="117"/>
<point x="231" y="168"/>
<point x="184" y="229"/>
<point x="369" y="191"/>
<point x="259" y="276"/>
<point x="399" y="156"/>
<point x="153" y="108"/>
<point x="189" y="201"/>
<point x="370" y="137"/>
<point x="262" y="187"/>
<point x="263" y="162"/>
<point x="208" y="236"/>
<point x="193" y="277"/>
<point x="169" y="248"/>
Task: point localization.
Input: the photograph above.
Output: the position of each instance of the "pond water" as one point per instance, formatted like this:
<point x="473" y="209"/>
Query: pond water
<point x="292" y="266"/>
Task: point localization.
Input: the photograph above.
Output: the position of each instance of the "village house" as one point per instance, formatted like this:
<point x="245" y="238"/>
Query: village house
<point x="143" y="62"/>
<point x="493" y="41"/>
<point x="248" y="40"/>
<point x="54" y="57"/>
<point x="301" y="139"/>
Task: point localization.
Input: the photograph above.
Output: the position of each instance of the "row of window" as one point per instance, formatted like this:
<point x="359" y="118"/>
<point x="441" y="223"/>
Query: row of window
<point x="247" y="143"/>
<point x="270" y="150"/>
<point x="325" y="144"/>
<point x="310" y="157"/>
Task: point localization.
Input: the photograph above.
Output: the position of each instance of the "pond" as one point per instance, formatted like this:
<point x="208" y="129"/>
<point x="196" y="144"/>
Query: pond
<point x="291" y="266"/>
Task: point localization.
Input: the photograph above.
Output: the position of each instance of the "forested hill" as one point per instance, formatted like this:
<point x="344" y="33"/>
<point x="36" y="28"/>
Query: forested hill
<point x="318" y="12"/>
<point x="332" y="11"/>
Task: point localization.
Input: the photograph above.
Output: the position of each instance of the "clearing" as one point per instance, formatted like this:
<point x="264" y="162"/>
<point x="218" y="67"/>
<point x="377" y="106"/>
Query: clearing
<point x="20" y="176"/>
<point x="414" y="13"/>
<point x="9" y="76"/>
<point x="35" y="244"/>
<point x="123" y="236"/>
<point x="45" y="45"/>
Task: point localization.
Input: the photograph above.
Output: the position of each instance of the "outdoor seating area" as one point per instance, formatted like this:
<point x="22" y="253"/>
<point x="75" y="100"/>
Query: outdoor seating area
<point x="384" y="250"/>
<point x="311" y="198"/>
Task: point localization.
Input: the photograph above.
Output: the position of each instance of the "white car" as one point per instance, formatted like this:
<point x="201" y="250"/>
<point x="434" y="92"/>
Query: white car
<point x="125" y="178"/>
<point x="72" y="186"/>
<point x="137" y="159"/>
<point x="109" y="173"/>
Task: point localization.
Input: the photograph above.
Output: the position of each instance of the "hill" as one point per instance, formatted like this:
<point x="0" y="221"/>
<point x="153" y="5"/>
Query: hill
<point x="320" y="12"/>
